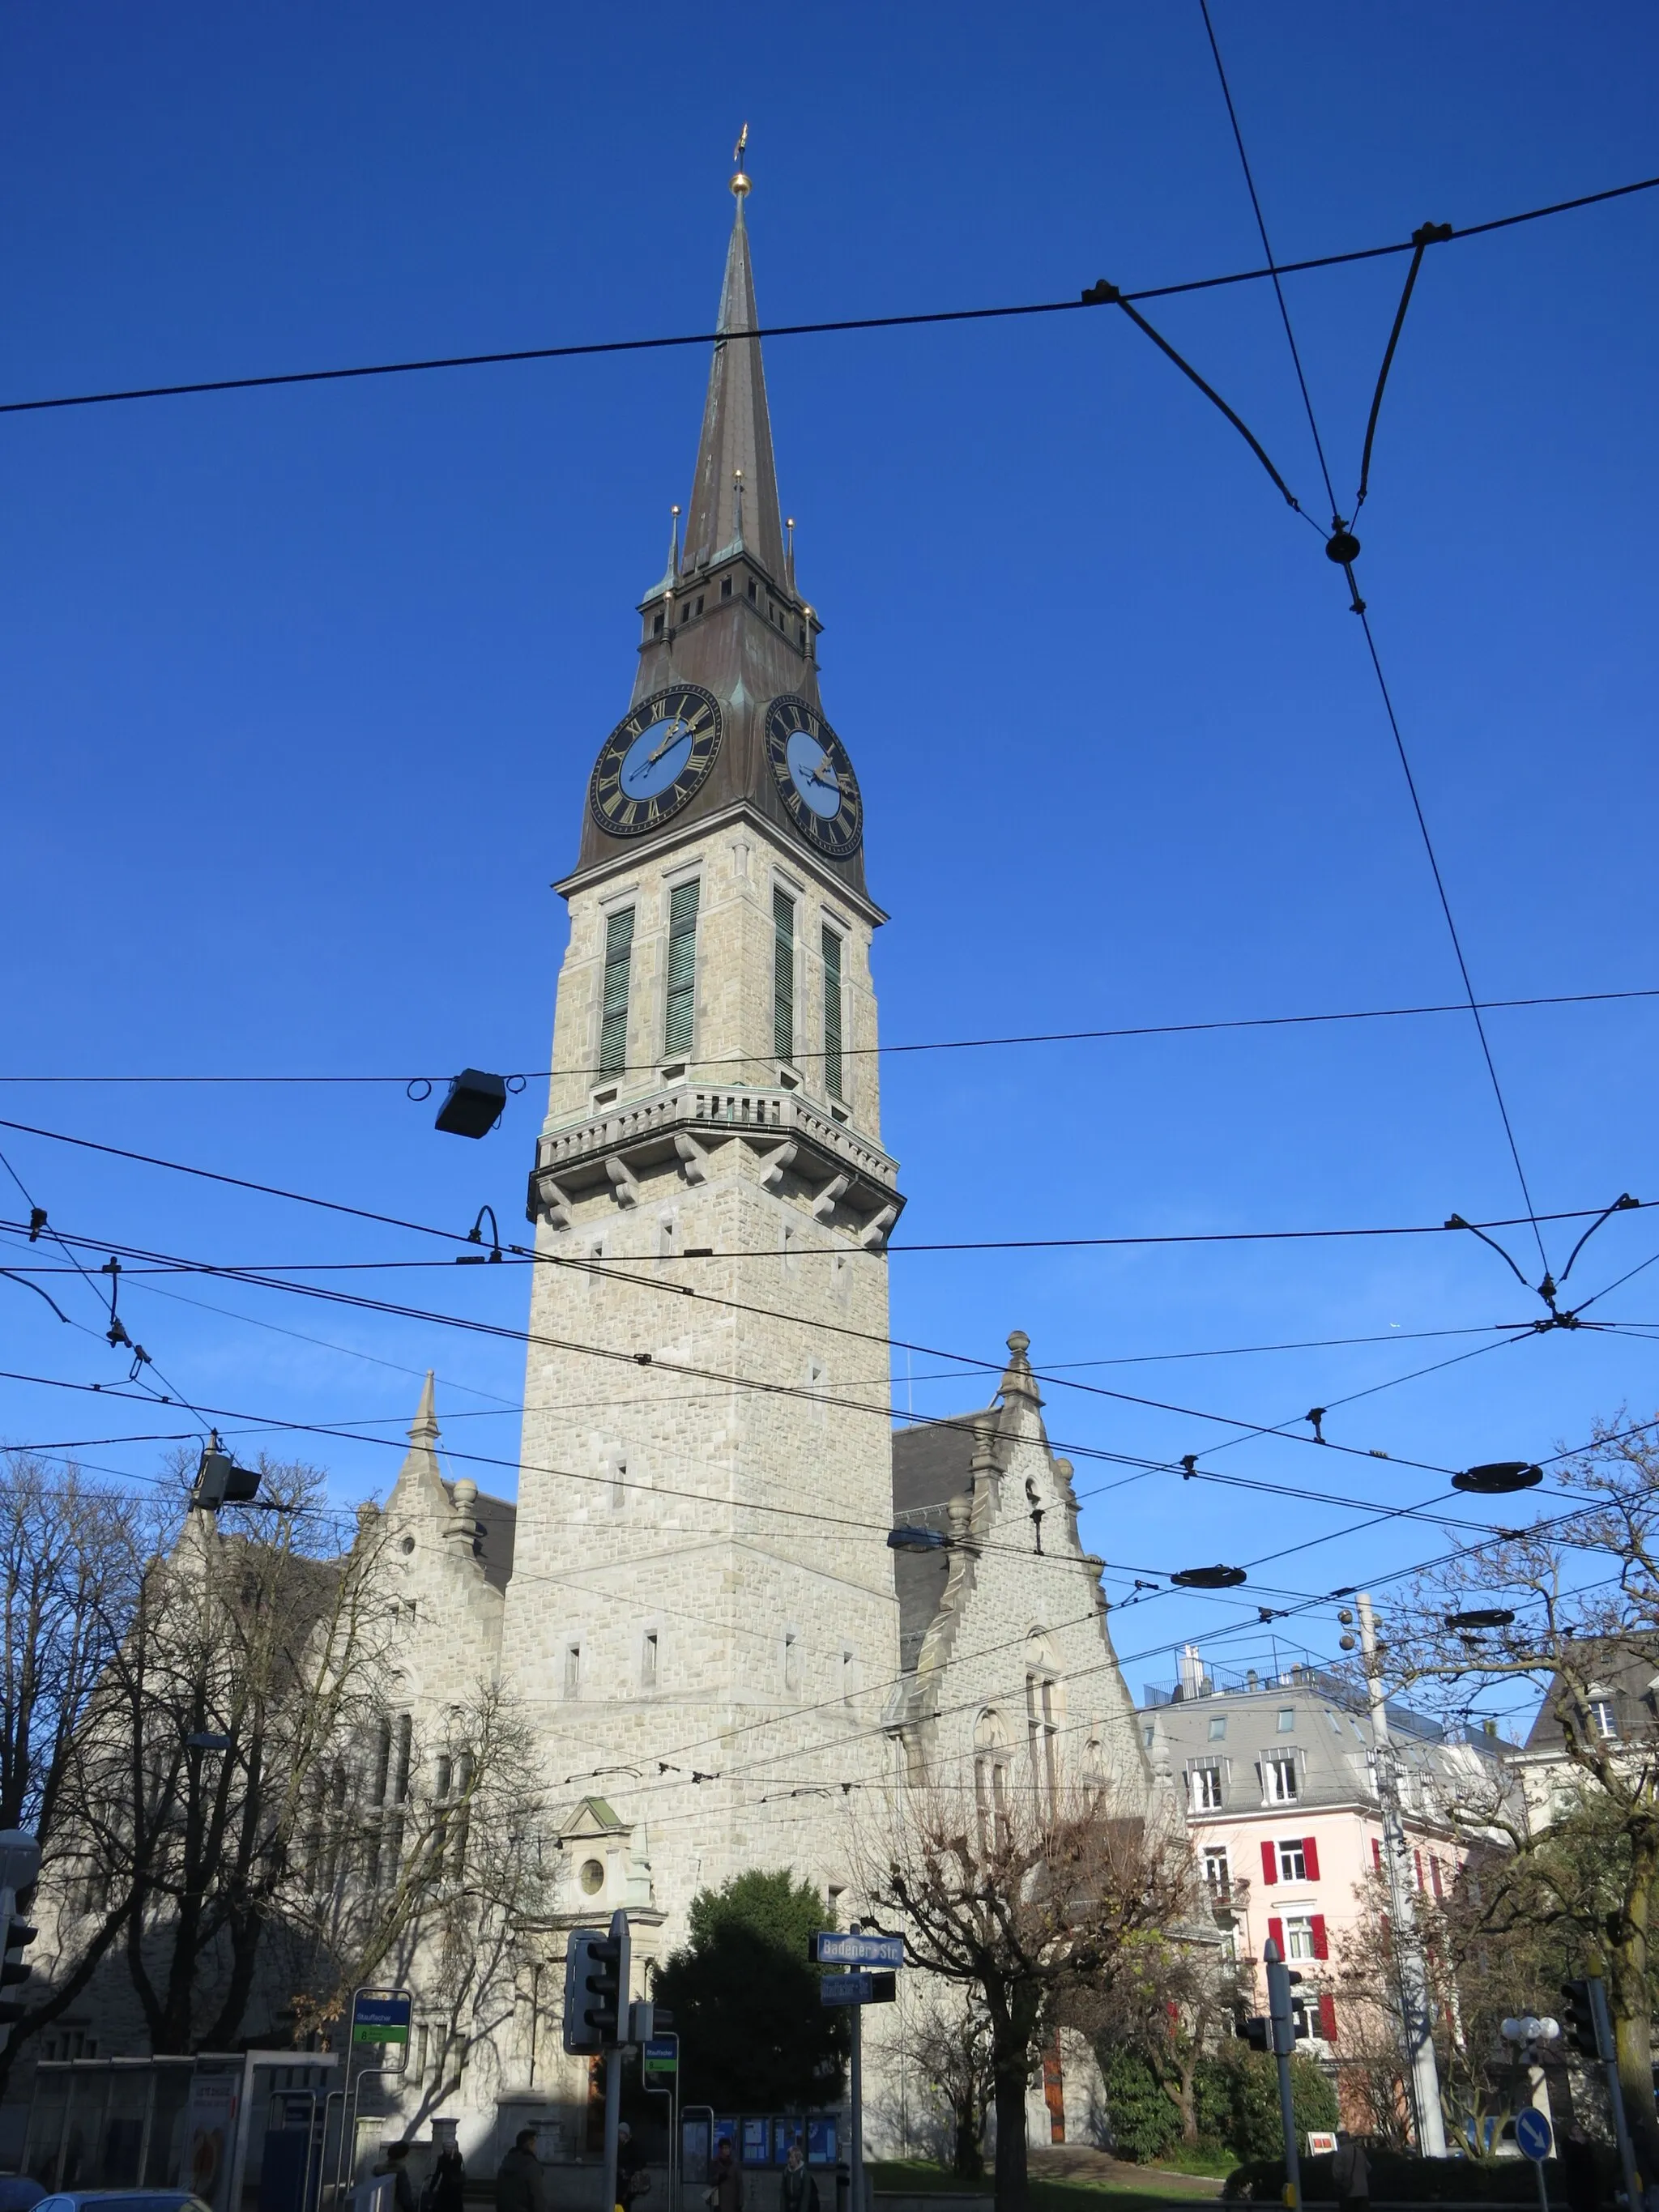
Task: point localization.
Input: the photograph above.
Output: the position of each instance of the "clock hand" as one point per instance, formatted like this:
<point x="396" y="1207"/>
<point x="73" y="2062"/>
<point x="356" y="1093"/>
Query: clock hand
<point x="675" y="734"/>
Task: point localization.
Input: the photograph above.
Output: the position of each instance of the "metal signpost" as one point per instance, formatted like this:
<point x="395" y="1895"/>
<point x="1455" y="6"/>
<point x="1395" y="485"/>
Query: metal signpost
<point x="1609" y="2050"/>
<point x="829" y="1947"/>
<point x="659" y="2076"/>
<point x="1534" y="2140"/>
<point x="378" y="2017"/>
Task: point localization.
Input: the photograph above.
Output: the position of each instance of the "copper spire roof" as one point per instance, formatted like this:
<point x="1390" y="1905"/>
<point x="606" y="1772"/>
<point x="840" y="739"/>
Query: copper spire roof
<point x="734" y="493"/>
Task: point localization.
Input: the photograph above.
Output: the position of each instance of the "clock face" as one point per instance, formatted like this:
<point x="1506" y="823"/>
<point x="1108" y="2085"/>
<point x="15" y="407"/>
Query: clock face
<point x="814" y="778"/>
<point x="654" y="760"/>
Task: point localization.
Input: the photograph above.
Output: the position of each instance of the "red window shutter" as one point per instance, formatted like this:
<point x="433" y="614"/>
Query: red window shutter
<point x="1270" y="1862"/>
<point x="1418" y="1855"/>
<point x="1377" y="1855"/>
<point x="1322" y="1948"/>
<point x="1276" y="1931"/>
<point x="1310" y="1858"/>
<point x="1434" y="1870"/>
<point x="1327" y="2015"/>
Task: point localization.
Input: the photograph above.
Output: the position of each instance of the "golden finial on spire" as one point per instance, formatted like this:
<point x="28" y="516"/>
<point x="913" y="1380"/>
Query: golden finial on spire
<point x="740" y="183"/>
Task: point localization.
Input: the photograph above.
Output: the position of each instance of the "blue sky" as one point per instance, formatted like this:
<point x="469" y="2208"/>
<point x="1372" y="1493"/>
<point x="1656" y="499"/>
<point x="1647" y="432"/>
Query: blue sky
<point x="301" y="686"/>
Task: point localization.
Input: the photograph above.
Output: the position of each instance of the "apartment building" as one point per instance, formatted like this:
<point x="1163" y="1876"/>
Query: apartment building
<point x="1278" y="1775"/>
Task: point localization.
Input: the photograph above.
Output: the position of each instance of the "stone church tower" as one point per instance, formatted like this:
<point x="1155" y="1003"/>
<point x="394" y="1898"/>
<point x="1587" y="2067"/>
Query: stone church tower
<point x="701" y="1595"/>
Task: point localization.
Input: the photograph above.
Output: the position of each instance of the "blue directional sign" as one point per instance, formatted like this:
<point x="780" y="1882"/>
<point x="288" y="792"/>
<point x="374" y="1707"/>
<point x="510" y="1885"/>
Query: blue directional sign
<point x="832" y="1949"/>
<point x="1532" y="2133"/>
<point x="857" y="1989"/>
<point x="381" y="2016"/>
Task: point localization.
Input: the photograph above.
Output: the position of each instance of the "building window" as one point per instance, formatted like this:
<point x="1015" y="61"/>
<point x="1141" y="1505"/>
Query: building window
<point x="1286" y="1719"/>
<point x="1299" y="1937"/>
<point x="991" y="1781"/>
<point x="1219" y="1729"/>
<point x="1293" y="1861"/>
<point x="1204" y="1786"/>
<point x="656" y="626"/>
<point x="1603" y="1718"/>
<point x="783" y="975"/>
<point x="682" y="993"/>
<point x="591" y="1874"/>
<point x="848" y="1675"/>
<point x="1280" y="1775"/>
<point x="1227" y="1948"/>
<point x="1043" y="1735"/>
<point x="648" y="1661"/>
<point x="726" y="587"/>
<point x="1149" y="1735"/>
<point x="832" y="1075"/>
<point x="1217" y="1870"/>
<point x="613" y="1020"/>
<point x="752" y="592"/>
<point x="791" y="1661"/>
<point x="572" y="1670"/>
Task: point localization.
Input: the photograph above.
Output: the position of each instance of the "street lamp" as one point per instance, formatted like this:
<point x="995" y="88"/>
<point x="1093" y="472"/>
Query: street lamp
<point x="1208" y="1578"/>
<point x="1499" y="1477"/>
<point x="909" y="1538"/>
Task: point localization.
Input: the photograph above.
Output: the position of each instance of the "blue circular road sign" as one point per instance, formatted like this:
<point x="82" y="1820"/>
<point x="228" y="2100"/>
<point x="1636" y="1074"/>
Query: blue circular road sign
<point x="1532" y="2133"/>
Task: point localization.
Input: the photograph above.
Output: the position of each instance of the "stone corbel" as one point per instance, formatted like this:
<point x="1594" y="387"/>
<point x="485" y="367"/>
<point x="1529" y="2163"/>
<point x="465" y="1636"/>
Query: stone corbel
<point x="772" y="1163"/>
<point x="693" y="1158"/>
<point x="875" y="1234"/>
<point x="628" y="1189"/>
<point x="555" y="1202"/>
<point x="823" y="1205"/>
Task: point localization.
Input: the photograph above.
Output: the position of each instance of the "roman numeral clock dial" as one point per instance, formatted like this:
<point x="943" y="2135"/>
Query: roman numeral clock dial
<point x="654" y="760"/>
<point x="814" y="777"/>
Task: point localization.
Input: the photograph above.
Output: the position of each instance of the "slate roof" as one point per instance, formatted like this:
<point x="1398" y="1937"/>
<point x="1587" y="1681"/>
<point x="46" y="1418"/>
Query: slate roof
<point x="931" y="1463"/>
<point x="1623" y="1673"/>
<point x="499" y="1519"/>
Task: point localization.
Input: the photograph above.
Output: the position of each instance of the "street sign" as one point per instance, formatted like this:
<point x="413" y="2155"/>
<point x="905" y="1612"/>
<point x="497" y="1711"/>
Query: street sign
<point x="661" y="2055"/>
<point x="831" y="1948"/>
<point x="858" y="1989"/>
<point x="381" y="2016"/>
<point x="1532" y="2133"/>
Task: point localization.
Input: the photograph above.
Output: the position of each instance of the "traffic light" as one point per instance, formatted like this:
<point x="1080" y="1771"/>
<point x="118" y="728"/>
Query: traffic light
<point x="19" y="1865"/>
<point x="596" y="1987"/>
<point x="220" y="1481"/>
<point x="1579" y="2019"/>
<point x="1257" y="2031"/>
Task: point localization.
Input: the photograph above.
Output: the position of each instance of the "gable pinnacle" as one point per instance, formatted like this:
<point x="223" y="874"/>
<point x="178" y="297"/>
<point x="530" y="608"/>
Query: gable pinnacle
<point x="425" y="1430"/>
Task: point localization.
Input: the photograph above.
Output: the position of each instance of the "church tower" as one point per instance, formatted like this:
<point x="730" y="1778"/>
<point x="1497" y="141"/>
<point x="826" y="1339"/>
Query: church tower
<point x="702" y="1612"/>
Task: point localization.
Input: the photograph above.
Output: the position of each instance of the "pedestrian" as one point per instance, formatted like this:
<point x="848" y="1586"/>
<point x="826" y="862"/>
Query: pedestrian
<point x="632" y="2179"/>
<point x="446" y="2185"/>
<point x="1351" y="2174"/>
<point x="519" y="2177"/>
<point x="798" y="2191"/>
<point x="394" y="2160"/>
<point x="726" y="2180"/>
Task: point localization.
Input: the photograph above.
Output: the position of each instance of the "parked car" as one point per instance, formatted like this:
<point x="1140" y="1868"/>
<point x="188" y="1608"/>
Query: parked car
<point x="117" y="2200"/>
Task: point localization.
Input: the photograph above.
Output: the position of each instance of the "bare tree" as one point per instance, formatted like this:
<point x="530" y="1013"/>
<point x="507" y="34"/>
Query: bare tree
<point x="1574" y="1612"/>
<point x="71" y="1565"/>
<point x="253" y="1652"/>
<point x="424" y="1865"/>
<point x="1171" y="2003"/>
<point x="947" y="2042"/>
<point x="1042" y="1898"/>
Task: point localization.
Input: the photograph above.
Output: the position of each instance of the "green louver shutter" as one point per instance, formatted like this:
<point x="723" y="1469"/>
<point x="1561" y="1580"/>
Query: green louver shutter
<point x="832" y="1078"/>
<point x="682" y="970"/>
<point x="783" y="975"/>
<point x="613" y="1025"/>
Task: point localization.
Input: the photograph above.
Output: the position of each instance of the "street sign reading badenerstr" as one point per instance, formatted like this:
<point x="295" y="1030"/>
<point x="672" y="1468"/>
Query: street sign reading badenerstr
<point x="832" y="1949"/>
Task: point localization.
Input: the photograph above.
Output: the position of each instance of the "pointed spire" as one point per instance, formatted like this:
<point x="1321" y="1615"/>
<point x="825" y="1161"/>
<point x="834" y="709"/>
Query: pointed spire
<point x="424" y="1428"/>
<point x="734" y="493"/>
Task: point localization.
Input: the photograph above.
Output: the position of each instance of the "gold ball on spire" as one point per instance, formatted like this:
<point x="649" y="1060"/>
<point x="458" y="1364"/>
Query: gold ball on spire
<point x="739" y="185"/>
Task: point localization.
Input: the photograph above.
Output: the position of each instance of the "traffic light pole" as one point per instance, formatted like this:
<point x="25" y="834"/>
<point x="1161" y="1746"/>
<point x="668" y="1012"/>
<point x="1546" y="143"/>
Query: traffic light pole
<point x="1423" y="2073"/>
<point x="1609" y="2054"/>
<point x="1282" y="2021"/>
<point x="613" y="2070"/>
